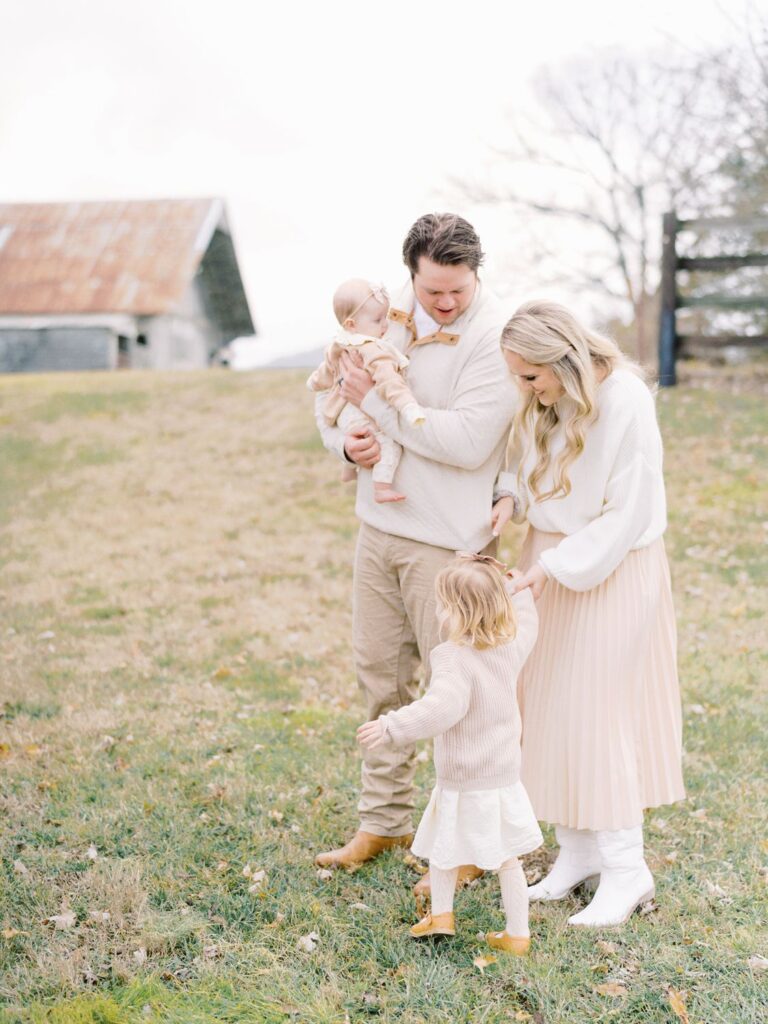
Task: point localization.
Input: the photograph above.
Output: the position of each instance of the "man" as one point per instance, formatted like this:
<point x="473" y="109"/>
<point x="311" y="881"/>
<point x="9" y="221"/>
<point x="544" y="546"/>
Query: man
<point x="450" y="328"/>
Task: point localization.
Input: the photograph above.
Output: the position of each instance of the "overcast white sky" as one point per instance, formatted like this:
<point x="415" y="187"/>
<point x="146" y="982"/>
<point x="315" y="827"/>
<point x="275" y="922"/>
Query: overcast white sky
<point x="327" y="127"/>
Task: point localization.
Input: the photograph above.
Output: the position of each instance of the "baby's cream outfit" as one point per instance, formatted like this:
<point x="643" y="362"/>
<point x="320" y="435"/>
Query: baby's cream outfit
<point x="385" y="364"/>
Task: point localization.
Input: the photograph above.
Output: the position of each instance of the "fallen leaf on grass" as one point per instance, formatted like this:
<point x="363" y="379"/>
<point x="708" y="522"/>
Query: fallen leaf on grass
<point x="605" y="947"/>
<point x="99" y="916"/>
<point x="523" y="1015"/>
<point x="5" y="750"/>
<point x="107" y="743"/>
<point x="11" y="933"/>
<point x="700" y="814"/>
<point x="361" y="906"/>
<point x="279" y="918"/>
<point x="257" y="879"/>
<point x="92" y="853"/>
<point x="324" y="874"/>
<point x="758" y="963"/>
<point x="66" y="919"/>
<point x="714" y="889"/>
<point x="222" y="673"/>
<point x="677" y="1004"/>
<point x="481" y="962"/>
<point x="211" y="952"/>
<point x="611" y="988"/>
<point x="20" y="867"/>
<point x="308" y="943"/>
<point x="670" y="858"/>
<point x="33" y="750"/>
<point x="412" y="862"/>
<point x="648" y="908"/>
<point x="140" y="955"/>
<point x="600" y="968"/>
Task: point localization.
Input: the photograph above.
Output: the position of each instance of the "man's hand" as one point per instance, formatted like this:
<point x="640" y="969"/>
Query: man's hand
<point x="501" y="514"/>
<point x="356" y="382"/>
<point x="535" y="578"/>
<point x="362" y="448"/>
<point x="370" y="734"/>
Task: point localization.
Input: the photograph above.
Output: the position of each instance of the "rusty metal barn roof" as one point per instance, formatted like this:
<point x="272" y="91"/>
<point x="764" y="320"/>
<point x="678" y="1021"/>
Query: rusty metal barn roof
<point x="134" y="257"/>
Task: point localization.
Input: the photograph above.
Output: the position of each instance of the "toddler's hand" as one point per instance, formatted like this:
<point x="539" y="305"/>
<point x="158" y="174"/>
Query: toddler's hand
<point x="370" y="734"/>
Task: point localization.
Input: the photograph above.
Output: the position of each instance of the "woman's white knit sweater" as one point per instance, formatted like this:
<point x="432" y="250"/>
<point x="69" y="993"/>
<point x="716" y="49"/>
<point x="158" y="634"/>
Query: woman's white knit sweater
<point x="471" y="709"/>
<point x="617" y="500"/>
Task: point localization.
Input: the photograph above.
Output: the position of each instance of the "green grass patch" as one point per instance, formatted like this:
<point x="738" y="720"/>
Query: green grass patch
<point x="89" y="404"/>
<point x="190" y="724"/>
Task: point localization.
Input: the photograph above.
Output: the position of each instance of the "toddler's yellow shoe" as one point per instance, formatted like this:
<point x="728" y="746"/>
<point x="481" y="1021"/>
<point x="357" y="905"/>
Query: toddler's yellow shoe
<point x="517" y="944"/>
<point x="440" y="924"/>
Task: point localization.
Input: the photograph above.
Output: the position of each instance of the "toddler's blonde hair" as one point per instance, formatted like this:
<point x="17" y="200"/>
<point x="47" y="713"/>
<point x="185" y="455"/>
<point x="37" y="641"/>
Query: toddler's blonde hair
<point x="350" y="297"/>
<point x="473" y="604"/>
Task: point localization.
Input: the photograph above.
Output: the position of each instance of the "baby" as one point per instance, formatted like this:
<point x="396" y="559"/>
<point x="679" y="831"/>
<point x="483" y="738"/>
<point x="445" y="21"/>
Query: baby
<point x="361" y="309"/>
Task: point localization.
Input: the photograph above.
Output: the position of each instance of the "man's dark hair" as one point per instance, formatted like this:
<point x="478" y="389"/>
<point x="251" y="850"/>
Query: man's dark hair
<point x="444" y="238"/>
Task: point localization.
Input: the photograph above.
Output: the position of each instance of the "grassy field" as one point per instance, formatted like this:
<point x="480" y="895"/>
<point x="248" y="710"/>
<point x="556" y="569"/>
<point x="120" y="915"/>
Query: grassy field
<point x="177" y="707"/>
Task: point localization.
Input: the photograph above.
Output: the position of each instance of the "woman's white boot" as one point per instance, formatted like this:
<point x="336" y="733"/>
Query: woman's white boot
<point x="577" y="860"/>
<point x="625" y="880"/>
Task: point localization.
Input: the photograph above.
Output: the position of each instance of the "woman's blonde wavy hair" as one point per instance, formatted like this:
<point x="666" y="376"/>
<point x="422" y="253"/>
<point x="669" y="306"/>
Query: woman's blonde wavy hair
<point x="473" y="606"/>
<point x="546" y="334"/>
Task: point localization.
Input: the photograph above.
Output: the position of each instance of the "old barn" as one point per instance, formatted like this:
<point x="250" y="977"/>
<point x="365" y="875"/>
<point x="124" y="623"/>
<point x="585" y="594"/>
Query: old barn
<point x="105" y="285"/>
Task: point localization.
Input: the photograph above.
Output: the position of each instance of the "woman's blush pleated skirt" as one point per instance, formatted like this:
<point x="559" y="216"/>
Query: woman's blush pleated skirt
<point x="600" y="698"/>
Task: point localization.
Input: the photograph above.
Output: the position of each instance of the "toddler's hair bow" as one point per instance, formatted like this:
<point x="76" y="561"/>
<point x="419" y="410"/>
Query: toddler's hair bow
<point x="471" y="556"/>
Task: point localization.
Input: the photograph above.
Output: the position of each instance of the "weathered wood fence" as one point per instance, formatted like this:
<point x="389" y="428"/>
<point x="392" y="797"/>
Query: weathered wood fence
<point x="673" y="345"/>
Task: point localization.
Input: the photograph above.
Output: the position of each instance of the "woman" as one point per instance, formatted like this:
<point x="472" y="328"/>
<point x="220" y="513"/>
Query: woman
<point x="599" y="695"/>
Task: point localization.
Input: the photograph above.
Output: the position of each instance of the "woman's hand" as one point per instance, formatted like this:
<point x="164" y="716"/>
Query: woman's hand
<point x="535" y="578"/>
<point x="356" y="382"/>
<point x="502" y="512"/>
<point x="371" y="734"/>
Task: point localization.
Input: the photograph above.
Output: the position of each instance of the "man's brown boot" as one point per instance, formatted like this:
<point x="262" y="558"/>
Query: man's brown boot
<point x="361" y="847"/>
<point x="467" y="873"/>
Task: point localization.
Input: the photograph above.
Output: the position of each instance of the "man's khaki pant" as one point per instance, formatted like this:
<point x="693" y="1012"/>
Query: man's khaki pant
<point x="393" y="629"/>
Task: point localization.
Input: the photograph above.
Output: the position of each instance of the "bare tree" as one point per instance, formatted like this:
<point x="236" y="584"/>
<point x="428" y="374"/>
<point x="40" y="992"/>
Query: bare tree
<point x="619" y="140"/>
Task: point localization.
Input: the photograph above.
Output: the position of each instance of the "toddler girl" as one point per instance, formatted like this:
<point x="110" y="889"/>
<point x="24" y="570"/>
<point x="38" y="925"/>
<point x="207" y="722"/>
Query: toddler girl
<point x="479" y="812"/>
<point x="361" y="309"/>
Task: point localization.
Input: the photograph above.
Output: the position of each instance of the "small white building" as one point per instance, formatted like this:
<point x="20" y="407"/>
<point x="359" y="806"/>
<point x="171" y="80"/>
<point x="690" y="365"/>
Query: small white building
<point x="106" y="285"/>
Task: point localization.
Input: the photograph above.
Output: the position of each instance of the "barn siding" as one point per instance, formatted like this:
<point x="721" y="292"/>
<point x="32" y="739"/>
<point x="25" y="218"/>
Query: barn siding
<point x="37" y="350"/>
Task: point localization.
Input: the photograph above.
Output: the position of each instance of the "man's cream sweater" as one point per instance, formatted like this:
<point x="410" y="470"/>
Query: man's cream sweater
<point x="471" y="709"/>
<point x="450" y="462"/>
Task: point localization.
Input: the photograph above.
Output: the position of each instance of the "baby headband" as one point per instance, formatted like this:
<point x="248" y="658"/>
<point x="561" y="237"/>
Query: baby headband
<point x="378" y="292"/>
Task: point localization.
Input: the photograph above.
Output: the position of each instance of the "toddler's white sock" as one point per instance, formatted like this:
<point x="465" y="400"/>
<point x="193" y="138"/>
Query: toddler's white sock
<point x="514" y="896"/>
<point x="443" y="885"/>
